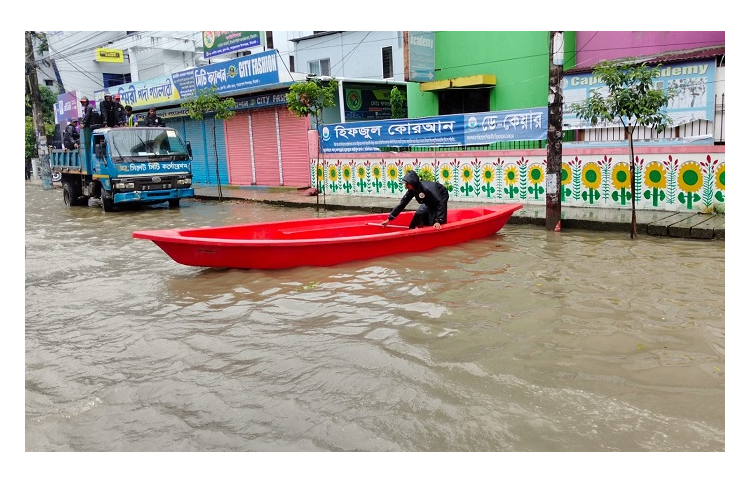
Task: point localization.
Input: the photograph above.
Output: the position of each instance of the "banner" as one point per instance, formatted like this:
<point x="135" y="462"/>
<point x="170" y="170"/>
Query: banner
<point x="693" y="81"/>
<point x="436" y="131"/>
<point x="226" y="41"/>
<point x="237" y="75"/>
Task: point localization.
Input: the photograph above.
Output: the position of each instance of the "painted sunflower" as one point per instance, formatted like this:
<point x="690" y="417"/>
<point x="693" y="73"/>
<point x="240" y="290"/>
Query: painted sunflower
<point x="346" y="171"/>
<point x="690" y="177"/>
<point x="332" y="174"/>
<point x="392" y="172"/>
<point x="445" y="174"/>
<point x="656" y="175"/>
<point x="361" y="172"/>
<point x="488" y="174"/>
<point x="511" y="175"/>
<point x="466" y="173"/>
<point x="591" y="175"/>
<point x="565" y="174"/>
<point x="376" y="171"/>
<point x="621" y="175"/>
<point x="536" y="173"/>
<point x="319" y="172"/>
<point x="720" y="178"/>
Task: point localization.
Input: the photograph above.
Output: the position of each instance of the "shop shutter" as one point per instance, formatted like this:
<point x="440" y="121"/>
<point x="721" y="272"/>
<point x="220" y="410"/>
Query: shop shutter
<point x="265" y="148"/>
<point x="295" y="159"/>
<point x="239" y="159"/>
<point x="195" y="134"/>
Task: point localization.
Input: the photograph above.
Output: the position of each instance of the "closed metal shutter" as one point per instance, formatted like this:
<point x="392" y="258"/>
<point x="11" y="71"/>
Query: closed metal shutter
<point x="265" y="148"/>
<point x="239" y="157"/>
<point x="196" y="135"/>
<point x="295" y="159"/>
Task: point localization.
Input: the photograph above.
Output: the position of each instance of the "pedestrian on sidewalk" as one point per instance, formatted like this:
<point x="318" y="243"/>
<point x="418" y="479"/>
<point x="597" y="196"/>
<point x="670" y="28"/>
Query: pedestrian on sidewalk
<point x="432" y="198"/>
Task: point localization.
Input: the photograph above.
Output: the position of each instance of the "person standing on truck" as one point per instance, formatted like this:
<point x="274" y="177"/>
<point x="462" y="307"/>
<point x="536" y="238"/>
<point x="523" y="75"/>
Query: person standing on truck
<point x="88" y="118"/>
<point x="108" y="112"/>
<point x="130" y="119"/>
<point x="71" y="136"/>
<point x="153" y="120"/>
<point x="119" y="111"/>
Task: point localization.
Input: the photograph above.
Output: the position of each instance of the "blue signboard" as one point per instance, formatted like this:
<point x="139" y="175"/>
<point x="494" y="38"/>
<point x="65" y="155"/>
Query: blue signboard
<point x="239" y="74"/>
<point x="692" y="81"/>
<point x="421" y="56"/>
<point x="436" y="131"/>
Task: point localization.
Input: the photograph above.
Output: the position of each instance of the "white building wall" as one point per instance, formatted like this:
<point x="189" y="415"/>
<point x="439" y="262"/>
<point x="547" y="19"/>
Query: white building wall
<point x="353" y="54"/>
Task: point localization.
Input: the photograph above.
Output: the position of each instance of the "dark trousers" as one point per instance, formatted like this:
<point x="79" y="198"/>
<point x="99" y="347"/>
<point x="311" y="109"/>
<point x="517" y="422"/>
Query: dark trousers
<point x="422" y="217"/>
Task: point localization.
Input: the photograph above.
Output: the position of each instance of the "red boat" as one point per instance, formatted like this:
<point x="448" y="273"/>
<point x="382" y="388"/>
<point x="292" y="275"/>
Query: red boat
<point x="322" y="242"/>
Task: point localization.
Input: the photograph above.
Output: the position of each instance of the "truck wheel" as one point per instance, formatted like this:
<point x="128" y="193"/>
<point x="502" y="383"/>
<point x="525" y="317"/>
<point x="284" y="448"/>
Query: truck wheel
<point x="108" y="204"/>
<point x="174" y="203"/>
<point x="70" y="194"/>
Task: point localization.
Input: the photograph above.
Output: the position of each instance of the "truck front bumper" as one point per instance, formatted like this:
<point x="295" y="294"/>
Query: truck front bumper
<point x="154" y="195"/>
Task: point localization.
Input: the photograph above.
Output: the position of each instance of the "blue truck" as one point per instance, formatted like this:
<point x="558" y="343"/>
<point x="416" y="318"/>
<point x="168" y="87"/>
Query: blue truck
<point x="125" y="166"/>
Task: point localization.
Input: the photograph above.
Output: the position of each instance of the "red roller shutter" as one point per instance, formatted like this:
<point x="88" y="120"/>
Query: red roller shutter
<point x="265" y="147"/>
<point x="239" y="157"/>
<point x="295" y="163"/>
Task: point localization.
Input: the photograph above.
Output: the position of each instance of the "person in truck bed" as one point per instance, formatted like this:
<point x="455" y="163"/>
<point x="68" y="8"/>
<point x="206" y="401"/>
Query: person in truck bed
<point x="152" y="119"/>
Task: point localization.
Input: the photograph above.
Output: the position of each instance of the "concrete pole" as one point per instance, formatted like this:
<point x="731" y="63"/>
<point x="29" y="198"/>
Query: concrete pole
<point x="36" y="106"/>
<point x="554" y="133"/>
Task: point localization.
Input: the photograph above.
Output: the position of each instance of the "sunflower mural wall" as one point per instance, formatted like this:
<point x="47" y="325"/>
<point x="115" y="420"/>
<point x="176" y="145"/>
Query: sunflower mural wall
<point x="680" y="181"/>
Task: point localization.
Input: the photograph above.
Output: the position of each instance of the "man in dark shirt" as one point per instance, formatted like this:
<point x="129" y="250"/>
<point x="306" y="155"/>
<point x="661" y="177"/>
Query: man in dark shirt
<point x="152" y="119"/>
<point x="71" y="136"/>
<point x="107" y="108"/>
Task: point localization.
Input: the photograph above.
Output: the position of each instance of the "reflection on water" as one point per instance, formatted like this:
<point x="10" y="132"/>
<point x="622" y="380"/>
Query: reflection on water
<point x="524" y="341"/>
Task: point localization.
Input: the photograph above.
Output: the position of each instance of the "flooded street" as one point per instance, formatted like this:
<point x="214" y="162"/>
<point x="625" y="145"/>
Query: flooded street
<point x="525" y="341"/>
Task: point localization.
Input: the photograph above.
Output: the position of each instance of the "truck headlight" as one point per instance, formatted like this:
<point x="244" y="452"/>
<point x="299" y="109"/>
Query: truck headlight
<point x="184" y="181"/>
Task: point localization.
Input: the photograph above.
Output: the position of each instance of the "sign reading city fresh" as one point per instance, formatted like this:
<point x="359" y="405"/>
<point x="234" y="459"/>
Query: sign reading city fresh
<point x="226" y="41"/>
<point x="450" y="130"/>
<point x="232" y="76"/>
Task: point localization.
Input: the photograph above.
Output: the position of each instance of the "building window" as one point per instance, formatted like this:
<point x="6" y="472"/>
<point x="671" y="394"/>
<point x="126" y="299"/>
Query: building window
<point x="49" y="82"/>
<point x="291" y="63"/>
<point x="320" y="67"/>
<point x="387" y="62"/>
<point x="269" y="39"/>
<point x="115" y="79"/>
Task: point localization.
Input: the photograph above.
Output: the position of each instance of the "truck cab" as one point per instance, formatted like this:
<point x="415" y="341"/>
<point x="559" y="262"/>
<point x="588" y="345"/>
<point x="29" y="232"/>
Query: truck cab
<point x="126" y="166"/>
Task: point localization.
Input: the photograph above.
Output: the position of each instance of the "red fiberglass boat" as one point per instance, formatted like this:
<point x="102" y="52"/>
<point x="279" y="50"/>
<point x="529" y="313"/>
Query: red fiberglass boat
<point x="322" y="242"/>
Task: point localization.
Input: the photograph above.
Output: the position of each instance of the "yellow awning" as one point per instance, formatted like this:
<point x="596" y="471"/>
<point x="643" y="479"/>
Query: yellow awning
<point x="480" y="80"/>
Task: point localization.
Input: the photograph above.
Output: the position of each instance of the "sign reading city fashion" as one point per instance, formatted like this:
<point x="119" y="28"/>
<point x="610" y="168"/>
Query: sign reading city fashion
<point x="237" y="75"/>
<point x="109" y="55"/>
<point x="421" y="50"/>
<point x="692" y="81"/>
<point x="436" y="131"/>
<point x="218" y="42"/>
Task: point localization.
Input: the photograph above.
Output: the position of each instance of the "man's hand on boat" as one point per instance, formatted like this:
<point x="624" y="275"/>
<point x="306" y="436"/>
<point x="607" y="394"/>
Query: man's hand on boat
<point x="385" y="222"/>
<point x="437" y="225"/>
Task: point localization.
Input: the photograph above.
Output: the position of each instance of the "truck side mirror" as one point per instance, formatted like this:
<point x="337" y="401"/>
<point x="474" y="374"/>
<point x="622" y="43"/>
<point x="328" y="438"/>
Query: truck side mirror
<point x="190" y="150"/>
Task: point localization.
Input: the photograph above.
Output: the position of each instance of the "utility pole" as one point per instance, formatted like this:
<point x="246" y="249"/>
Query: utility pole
<point x="36" y="106"/>
<point x="554" y="132"/>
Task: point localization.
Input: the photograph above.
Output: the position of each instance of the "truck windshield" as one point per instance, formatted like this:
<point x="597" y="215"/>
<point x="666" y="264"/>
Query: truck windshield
<point x="129" y="142"/>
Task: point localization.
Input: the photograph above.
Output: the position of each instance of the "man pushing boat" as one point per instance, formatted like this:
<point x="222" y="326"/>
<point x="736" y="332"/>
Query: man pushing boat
<point x="432" y="198"/>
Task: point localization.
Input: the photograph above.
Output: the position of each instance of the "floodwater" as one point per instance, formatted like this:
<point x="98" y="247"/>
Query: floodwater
<point x="525" y="341"/>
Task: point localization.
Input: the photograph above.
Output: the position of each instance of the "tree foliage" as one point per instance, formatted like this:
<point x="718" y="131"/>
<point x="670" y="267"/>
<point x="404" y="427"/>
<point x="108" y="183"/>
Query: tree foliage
<point x="630" y="98"/>
<point x="398" y="104"/>
<point x="311" y="97"/>
<point x="208" y="101"/>
<point x="49" y="98"/>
